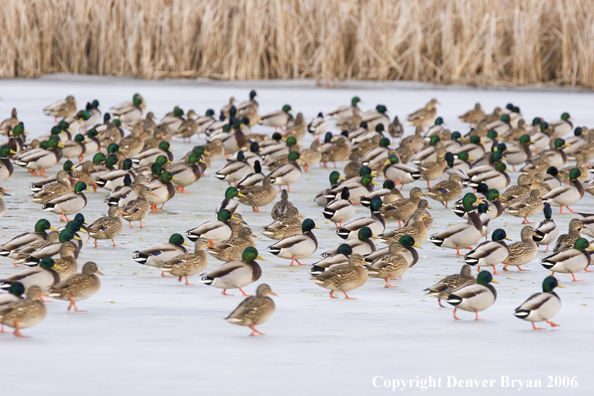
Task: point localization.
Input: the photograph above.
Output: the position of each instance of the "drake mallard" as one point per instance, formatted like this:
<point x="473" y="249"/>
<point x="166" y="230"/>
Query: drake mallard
<point x="256" y="196"/>
<point x="340" y="256"/>
<point x="569" y="261"/>
<point x="254" y="310"/>
<point x="69" y="203"/>
<point x="233" y="248"/>
<point x="393" y="265"/>
<point x="163" y="190"/>
<point x="114" y="178"/>
<point x="285" y="175"/>
<point x="297" y="246"/>
<point x="527" y="206"/>
<point x="234" y="170"/>
<point x="446" y="191"/>
<point x="522" y="252"/>
<point x="39" y="234"/>
<point x="399" y="173"/>
<point x="61" y="108"/>
<point x="122" y="195"/>
<point x="497" y="178"/>
<point x="32" y="254"/>
<point x="358" y="188"/>
<point x="24" y="313"/>
<point x="130" y="112"/>
<point x="566" y="241"/>
<point x="489" y="253"/>
<point x="285" y="226"/>
<point x="568" y="194"/>
<point x="402" y="209"/>
<point x="235" y="274"/>
<point x="474" y="297"/>
<point x="321" y="198"/>
<point x="43" y="275"/>
<point x="215" y="230"/>
<point x="229" y="203"/>
<point x="442" y="289"/>
<point x="461" y="235"/>
<point x="362" y="244"/>
<point x="318" y="126"/>
<point x="107" y="227"/>
<point x="344" y="277"/>
<point x="546" y="231"/>
<point x="388" y="193"/>
<point x="343" y="112"/>
<point x="79" y="286"/>
<point x="187" y="173"/>
<point x="540" y="307"/>
<point x="158" y="255"/>
<point x="281" y="207"/>
<point x="340" y="209"/>
<point x="188" y="264"/>
<point x="48" y="155"/>
<point x="375" y="222"/>
<point x="277" y="119"/>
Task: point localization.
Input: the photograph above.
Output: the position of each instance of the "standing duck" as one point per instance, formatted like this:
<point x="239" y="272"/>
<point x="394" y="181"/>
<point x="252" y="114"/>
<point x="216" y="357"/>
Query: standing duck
<point x="69" y="203"/>
<point x="281" y="207"/>
<point x="254" y="310"/>
<point x="568" y="194"/>
<point x="256" y="196"/>
<point x="340" y="210"/>
<point x="285" y="175"/>
<point x="158" y="255"/>
<point x="489" y="253"/>
<point x="215" y="230"/>
<point x="24" y="313"/>
<point x="39" y="234"/>
<point x="343" y="112"/>
<point x="318" y="126"/>
<point x="527" y="206"/>
<point x="375" y="222"/>
<point x="233" y="248"/>
<point x="522" y="252"/>
<point x="425" y="116"/>
<point x="321" y="198"/>
<point x="284" y="227"/>
<point x="566" y="241"/>
<point x="107" y="227"/>
<point x="277" y="119"/>
<point x="402" y="209"/>
<point x="137" y="209"/>
<point x="393" y="265"/>
<point x="61" y="108"/>
<point x="474" y="297"/>
<point x="297" y="246"/>
<point x="344" y="277"/>
<point x="546" y="231"/>
<point x="229" y="202"/>
<point x="78" y="287"/>
<point x="130" y="112"/>
<point x="541" y="307"/>
<point x="446" y="191"/>
<point x="235" y="274"/>
<point x="163" y="190"/>
<point x="234" y="170"/>
<point x="442" y="289"/>
<point x="188" y="264"/>
<point x="569" y="261"/>
<point x="42" y="275"/>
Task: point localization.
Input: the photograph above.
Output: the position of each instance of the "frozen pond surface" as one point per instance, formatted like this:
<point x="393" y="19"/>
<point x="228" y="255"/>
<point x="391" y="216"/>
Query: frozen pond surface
<point x="144" y="334"/>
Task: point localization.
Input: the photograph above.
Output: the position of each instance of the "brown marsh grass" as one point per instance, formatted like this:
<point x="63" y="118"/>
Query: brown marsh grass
<point x="483" y="42"/>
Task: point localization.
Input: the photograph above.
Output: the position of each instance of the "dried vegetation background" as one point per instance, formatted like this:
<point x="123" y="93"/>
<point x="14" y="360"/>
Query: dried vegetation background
<point x="483" y="42"/>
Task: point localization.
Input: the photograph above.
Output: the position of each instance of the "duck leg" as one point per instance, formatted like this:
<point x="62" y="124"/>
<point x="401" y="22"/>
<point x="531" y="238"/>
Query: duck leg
<point x="72" y="304"/>
<point x="141" y="226"/>
<point x="576" y="280"/>
<point x="2" y="329"/>
<point x="388" y="285"/>
<point x="547" y="249"/>
<point x="536" y="328"/>
<point x="495" y="271"/>
<point x="553" y="324"/>
<point x="242" y="292"/>
<point x="224" y="293"/>
<point x="526" y="220"/>
<point x="113" y="242"/>
<point x="306" y="169"/>
<point x="255" y="332"/>
<point x="187" y="283"/>
<point x="458" y="252"/>
<point x="42" y="173"/>
<point x="440" y="304"/>
<point x="164" y="275"/>
<point x="131" y="226"/>
<point x="332" y="294"/>
<point x="477" y="318"/>
<point x="338" y="225"/>
<point x="520" y="269"/>
<point x="17" y="331"/>
<point x="96" y="244"/>
<point x="568" y="208"/>
<point x="455" y="317"/>
<point x="347" y="296"/>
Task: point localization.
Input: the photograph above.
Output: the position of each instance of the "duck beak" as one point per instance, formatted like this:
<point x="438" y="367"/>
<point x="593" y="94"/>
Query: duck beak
<point x="82" y="230"/>
<point x="53" y="228"/>
<point x="341" y="178"/>
<point x="273" y="293"/>
<point x="374" y="183"/>
<point x="300" y="216"/>
<point x="76" y="237"/>
<point x="480" y="201"/>
<point x="417" y="245"/>
<point x="12" y="151"/>
<point x="206" y="152"/>
<point x="502" y="197"/>
<point x="123" y="213"/>
<point x="560" y="285"/>
<point x="60" y="144"/>
<point x="186" y="243"/>
<point x="423" y="195"/>
<point x="260" y="258"/>
<point x="240" y="194"/>
<point x="372" y="174"/>
<point x="508" y="238"/>
<point x="174" y="178"/>
<point x="171" y="148"/>
<point x="100" y="273"/>
<point x="201" y="160"/>
<point x="494" y="281"/>
<point x="387" y="162"/>
<point x="567" y="144"/>
<point x="317" y="228"/>
<point x="470" y="159"/>
<point x="57" y="266"/>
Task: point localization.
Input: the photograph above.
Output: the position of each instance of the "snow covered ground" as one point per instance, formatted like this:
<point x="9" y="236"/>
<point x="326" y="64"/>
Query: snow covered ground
<point x="144" y="334"/>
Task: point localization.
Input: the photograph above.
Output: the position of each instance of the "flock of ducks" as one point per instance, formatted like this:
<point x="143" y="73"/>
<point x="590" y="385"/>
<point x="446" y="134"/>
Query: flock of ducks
<point x="126" y="152"/>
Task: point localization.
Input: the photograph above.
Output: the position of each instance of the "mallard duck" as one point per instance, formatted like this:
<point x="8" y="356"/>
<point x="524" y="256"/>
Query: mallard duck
<point x="69" y="203"/>
<point x="281" y="207"/>
<point x="555" y="155"/>
<point x="375" y="222"/>
<point x="158" y="255"/>
<point x="15" y="293"/>
<point x="416" y="228"/>
<point x="344" y="277"/>
<point x="568" y="194"/>
<point x="229" y="203"/>
<point x="432" y="170"/>
<point x="340" y="210"/>
<point x="297" y="128"/>
<point x="32" y="253"/>
<point x="442" y="289"/>
<point x="43" y="158"/>
<point x="79" y="286"/>
<point x="162" y="189"/>
<point x="297" y="246"/>
<point x="285" y="175"/>
<point x="489" y="253"/>
<point x="498" y="178"/>
<point x="318" y="126"/>
<point x="398" y="172"/>
<point x="254" y="310"/>
<point x="473" y="116"/>
<point x="425" y="116"/>
<point x="137" y="209"/>
<point x="341" y="256"/>
<point x="376" y="158"/>
<point x="188" y="264"/>
<point x="393" y="265"/>
<point x="235" y="170"/>
<point x="358" y="188"/>
<point x="232" y="248"/>
<point x="362" y="244"/>
<point x="521" y="190"/>
<point x="42" y="275"/>
<point x="66" y="265"/>
<point x="115" y="178"/>
<point x="148" y="157"/>
<point x="338" y="151"/>
<point x="235" y="274"/>
<point x="376" y="116"/>
<point x="24" y="313"/>
<point x="54" y="190"/>
<point x="421" y="208"/>
<point x="122" y="195"/>
<point x="474" y="297"/>
<point x="6" y="167"/>
<point x="256" y="196"/>
<point x="402" y="209"/>
<point x="321" y="198"/>
<point x="446" y="191"/>
<point x="311" y="156"/>
<point x="546" y="231"/>
<point x="461" y="235"/>
<point x="562" y="126"/>
<point x="346" y="111"/>
<point x="388" y="193"/>
<point x="39" y="234"/>
<point x="107" y="227"/>
<point x="283" y="227"/>
<point x="215" y="230"/>
<point x="130" y="112"/>
<point x="277" y="119"/>
<point x="569" y="261"/>
<point x="522" y="252"/>
<point x="61" y="108"/>
<point x="540" y="307"/>
<point x="10" y="122"/>
<point x="566" y="241"/>
<point x="526" y="206"/>
<point x="249" y="104"/>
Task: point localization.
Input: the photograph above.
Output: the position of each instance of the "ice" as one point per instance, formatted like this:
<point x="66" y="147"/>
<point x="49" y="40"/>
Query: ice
<point x="144" y="334"/>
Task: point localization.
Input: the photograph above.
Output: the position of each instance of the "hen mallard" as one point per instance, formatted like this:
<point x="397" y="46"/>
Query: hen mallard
<point x="340" y="210"/>
<point x="69" y="203"/>
<point x="235" y="274"/>
<point x="254" y="310"/>
<point x="461" y="235"/>
<point x="522" y="252"/>
<point x="188" y="264"/>
<point x="432" y="170"/>
<point x="79" y="286"/>
<point x="107" y="227"/>
<point x="442" y="289"/>
<point x="344" y="277"/>
<point x="256" y="196"/>
<point x="285" y="226"/>
<point x="375" y="222"/>
<point x="566" y="241"/>
<point x="473" y="116"/>
<point x="280" y="208"/>
<point x="66" y="265"/>
<point x="568" y="194"/>
<point x="527" y="206"/>
<point x="233" y="248"/>
<point x="446" y="191"/>
<point x="474" y="297"/>
<point x="402" y="209"/>
<point x="425" y="116"/>
<point x="61" y="108"/>
<point x="569" y="261"/>
<point x="541" y="307"/>
<point x="297" y="246"/>
<point x="416" y="228"/>
<point x="311" y="156"/>
<point x="546" y="231"/>
<point x="489" y="253"/>
<point x="158" y="255"/>
<point x="25" y="312"/>
<point x="137" y="209"/>
<point x="54" y="190"/>
<point x="393" y="265"/>
<point x="520" y="190"/>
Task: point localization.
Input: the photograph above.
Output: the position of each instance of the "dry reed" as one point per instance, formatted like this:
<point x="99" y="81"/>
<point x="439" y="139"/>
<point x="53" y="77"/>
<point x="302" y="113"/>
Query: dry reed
<point x="483" y="42"/>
